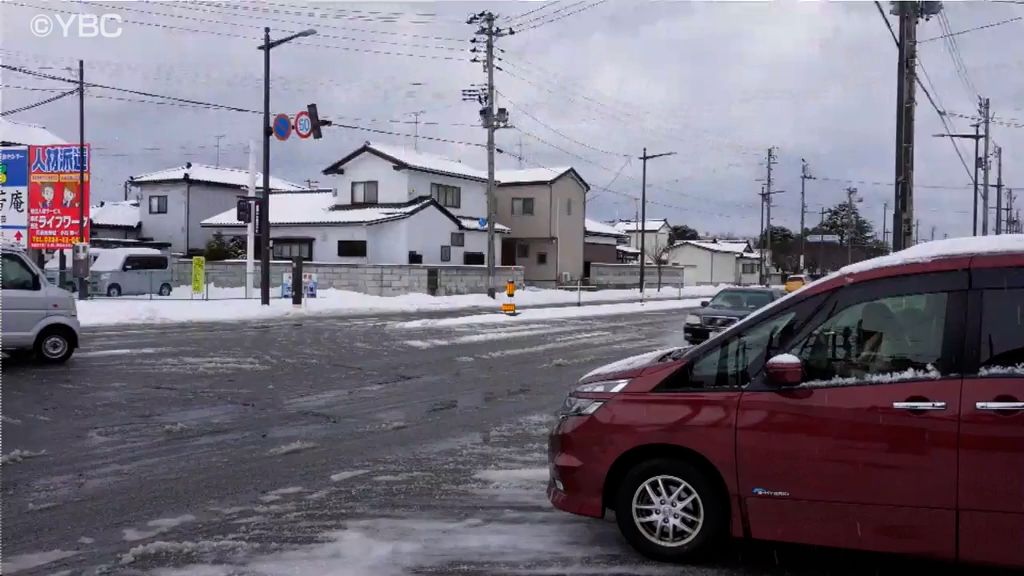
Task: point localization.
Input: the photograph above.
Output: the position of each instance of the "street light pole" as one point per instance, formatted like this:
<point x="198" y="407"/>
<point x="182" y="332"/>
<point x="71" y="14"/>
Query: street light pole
<point x="264" y="201"/>
<point x="643" y="213"/>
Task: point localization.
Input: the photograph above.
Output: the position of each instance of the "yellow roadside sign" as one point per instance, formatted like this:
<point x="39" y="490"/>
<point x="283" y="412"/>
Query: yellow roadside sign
<point x="198" y="274"/>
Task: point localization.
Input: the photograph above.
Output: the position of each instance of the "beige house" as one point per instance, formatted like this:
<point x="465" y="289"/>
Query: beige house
<point x="545" y="209"/>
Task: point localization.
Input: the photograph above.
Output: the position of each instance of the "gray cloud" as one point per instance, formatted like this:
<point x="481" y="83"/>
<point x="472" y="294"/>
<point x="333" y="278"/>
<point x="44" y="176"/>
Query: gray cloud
<point x="716" y="82"/>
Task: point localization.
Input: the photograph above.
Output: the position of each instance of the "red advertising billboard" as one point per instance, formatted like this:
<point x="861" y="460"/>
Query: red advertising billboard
<point x="57" y="203"/>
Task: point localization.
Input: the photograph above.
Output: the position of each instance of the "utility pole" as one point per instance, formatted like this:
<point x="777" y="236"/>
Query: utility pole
<point x="767" y="199"/>
<point x="985" y="108"/>
<point x="885" y="216"/>
<point x="933" y="232"/>
<point x="643" y="213"/>
<point x="83" y="283"/>
<point x="310" y="182"/>
<point x="492" y="120"/>
<point x="917" y="231"/>
<point x="851" y="222"/>
<point x="218" y="138"/>
<point x="999" y="189"/>
<point x="520" y="150"/>
<point x="804" y="177"/>
<point x="821" y="245"/>
<point x="760" y="239"/>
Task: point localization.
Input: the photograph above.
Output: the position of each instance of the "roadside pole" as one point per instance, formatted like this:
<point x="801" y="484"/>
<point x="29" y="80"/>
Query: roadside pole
<point x="250" y="235"/>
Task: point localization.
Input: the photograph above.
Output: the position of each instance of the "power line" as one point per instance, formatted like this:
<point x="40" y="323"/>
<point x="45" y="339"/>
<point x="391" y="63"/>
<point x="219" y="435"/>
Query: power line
<point x="336" y="13"/>
<point x="1008" y="122"/>
<point x="556" y="131"/>
<point x="543" y="5"/>
<point x="540" y="17"/>
<point x="975" y="29"/>
<point x="193" y="8"/>
<point x="566" y="15"/>
<point x="40" y="103"/>
<point x="629" y="159"/>
<point x="252" y="38"/>
<point x="953" y="48"/>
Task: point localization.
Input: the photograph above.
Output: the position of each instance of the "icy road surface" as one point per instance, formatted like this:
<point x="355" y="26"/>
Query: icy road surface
<point x="346" y="447"/>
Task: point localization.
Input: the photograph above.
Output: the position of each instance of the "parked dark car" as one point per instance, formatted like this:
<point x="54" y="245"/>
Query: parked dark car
<point x="725" y="309"/>
<point x="879" y="409"/>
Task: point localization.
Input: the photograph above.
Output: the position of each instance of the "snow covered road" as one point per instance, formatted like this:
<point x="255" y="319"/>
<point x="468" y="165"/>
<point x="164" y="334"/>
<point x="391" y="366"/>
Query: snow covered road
<point x="320" y="446"/>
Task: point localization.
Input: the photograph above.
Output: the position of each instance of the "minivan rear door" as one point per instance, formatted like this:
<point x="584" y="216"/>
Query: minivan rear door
<point x="991" y="487"/>
<point x="863" y="454"/>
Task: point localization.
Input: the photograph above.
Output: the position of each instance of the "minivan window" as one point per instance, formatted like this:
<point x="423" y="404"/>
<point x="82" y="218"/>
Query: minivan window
<point x="1002" y="333"/>
<point x="144" y="263"/>
<point x="738" y="359"/>
<point x="16" y="274"/>
<point x="899" y="335"/>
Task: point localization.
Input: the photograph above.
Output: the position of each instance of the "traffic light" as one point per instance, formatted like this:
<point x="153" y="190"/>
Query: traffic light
<point x="314" y="119"/>
<point x="243" y="211"/>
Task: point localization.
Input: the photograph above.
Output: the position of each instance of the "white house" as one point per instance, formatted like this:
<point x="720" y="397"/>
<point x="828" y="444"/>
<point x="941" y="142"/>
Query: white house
<point x="376" y="181"/>
<point x="313" y="226"/>
<point x="656" y="235"/>
<point x="174" y="202"/>
<point x="714" y="262"/>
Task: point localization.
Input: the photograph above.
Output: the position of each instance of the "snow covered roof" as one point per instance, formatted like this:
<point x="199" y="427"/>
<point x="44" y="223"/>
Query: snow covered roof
<point x="318" y="208"/>
<point x="112" y="258"/>
<point x="633" y="226"/>
<point x="627" y="250"/>
<point x="116" y="214"/>
<point x="471" y="223"/>
<point x="537" y="176"/>
<point x="214" y="175"/>
<point x="952" y="247"/>
<point x="12" y="132"/>
<point x="738" y="248"/>
<point x="595" y="228"/>
<point x="412" y="160"/>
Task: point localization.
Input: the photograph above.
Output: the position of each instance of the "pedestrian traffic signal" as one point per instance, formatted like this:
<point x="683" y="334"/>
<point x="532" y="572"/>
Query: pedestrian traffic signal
<point x="243" y="211"/>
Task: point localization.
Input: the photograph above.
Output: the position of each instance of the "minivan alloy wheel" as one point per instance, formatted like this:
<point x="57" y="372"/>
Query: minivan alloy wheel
<point x="668" y="511"/>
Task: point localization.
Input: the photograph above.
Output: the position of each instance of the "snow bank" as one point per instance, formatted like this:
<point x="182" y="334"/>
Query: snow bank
<point x="158" y="526"/>
<point x="161" y="548"/>
<point x="228" y="304"/>
<point x="528" y="315"/>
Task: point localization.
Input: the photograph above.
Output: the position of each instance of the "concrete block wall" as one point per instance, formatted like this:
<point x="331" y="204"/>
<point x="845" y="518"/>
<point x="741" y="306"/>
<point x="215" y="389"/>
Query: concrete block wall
<point x="606" y="275"/>
<point x="376" y="279"/>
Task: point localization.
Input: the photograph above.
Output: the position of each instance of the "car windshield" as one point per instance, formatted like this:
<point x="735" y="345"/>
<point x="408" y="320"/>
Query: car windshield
<point x="740" y="300"/>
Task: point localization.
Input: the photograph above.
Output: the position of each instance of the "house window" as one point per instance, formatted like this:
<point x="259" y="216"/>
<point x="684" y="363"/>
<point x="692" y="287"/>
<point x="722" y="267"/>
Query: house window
<point x="568" y="206"/>
<point x="158" y="204"/>
<point x="447" y="196"/>
<point x="542" y="257"/>
<point x="522" y="206"/>
<point x="458" y="239"/>
<point x="522" y="250"/>
<point x="750" y="268"/>
<point x="364" y="192"/>
<point x="352" y="248"/>
<point x="473" y="258"/>
<point x="289" y="249"/>
<point x="446" y="253"/>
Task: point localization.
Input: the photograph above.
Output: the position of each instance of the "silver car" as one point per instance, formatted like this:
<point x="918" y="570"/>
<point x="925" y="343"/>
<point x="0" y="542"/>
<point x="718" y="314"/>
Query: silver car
<point x="38" y="318"/>
<point x="126" y="271"/>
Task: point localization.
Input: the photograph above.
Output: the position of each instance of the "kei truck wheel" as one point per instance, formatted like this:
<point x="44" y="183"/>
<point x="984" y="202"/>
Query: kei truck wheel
<point x="54" y="345"/>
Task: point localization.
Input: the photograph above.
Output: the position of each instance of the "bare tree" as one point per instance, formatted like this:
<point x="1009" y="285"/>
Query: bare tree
<point x="657" y="252"/>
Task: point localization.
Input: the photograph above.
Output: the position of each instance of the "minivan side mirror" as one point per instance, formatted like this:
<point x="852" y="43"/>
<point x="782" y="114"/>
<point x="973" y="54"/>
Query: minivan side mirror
<point x="784" y="370"/>
<point x="704" y="303"/>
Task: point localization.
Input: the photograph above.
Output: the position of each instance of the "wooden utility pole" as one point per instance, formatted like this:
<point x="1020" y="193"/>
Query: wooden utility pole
<point x="999" y="189"/>
<point x="903" y="210"/>
<point x="804" y="177"/>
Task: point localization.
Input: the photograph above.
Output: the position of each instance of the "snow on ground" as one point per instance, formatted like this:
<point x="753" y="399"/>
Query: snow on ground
<point x="229" y="304"/>
<point x="341" y="476"/>
<point x="297" y="446"/>
<point x="527" y="314"/>
<point x="157" y="526"/>
<point x="19" y="562"/>
<point x="17" y="455"/>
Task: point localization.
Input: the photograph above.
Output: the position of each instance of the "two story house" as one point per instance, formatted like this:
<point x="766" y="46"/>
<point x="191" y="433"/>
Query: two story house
<point x="656" y="236"/>
<point x="545" y="209"/>
<point x="174" y="202"/>
<point x="390" y="206"/>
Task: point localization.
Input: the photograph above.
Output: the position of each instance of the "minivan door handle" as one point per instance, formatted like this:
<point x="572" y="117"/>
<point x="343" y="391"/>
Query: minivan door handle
<point x="915" y="406"/>
<point x="1000" y="406"/>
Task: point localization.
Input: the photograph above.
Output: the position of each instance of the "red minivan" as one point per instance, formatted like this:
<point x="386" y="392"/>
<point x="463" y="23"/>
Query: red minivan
<point x="880" y="408"/>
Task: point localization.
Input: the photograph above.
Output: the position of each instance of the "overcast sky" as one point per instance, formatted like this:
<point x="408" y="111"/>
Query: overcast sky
<point x="717" y="83"/>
